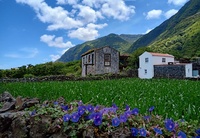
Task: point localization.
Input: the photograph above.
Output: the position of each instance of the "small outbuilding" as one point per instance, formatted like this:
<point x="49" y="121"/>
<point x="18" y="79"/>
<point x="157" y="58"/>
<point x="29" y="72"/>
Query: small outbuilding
<point x="100" y="61"/>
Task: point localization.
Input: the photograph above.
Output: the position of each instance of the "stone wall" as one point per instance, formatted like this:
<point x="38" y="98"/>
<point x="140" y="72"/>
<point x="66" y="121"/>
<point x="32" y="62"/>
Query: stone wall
<point x="169" y="71"/>
<point x="69" y="78"/>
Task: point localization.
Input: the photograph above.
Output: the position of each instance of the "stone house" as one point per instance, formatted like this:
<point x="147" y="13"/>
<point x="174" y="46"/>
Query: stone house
<point x="100" y="61"/>
<point x="162" y="65"/>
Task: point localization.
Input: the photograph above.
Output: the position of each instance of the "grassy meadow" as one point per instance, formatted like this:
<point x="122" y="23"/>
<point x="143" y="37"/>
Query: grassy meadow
<point x="176" y="99"/>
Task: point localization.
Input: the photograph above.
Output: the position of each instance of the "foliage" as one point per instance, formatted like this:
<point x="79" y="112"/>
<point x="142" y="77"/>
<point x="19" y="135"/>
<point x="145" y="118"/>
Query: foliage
<point x="77" y="118"/>
<point x="46" y="69"/>
<point x="28" y="76"/>
<point x="178" y="99"/>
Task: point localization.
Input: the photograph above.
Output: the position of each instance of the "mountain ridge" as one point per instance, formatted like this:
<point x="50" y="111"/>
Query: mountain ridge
<point x="119" y="42"/>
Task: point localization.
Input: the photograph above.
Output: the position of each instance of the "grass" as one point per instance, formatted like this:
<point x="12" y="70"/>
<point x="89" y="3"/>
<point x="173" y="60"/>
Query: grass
<point x="178" y="99"/>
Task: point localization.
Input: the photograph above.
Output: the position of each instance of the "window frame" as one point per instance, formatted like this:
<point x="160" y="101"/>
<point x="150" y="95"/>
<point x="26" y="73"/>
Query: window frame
<point x="107" y="59"/>
<point x="146" y="60"/>
<point x="163" y="60"/>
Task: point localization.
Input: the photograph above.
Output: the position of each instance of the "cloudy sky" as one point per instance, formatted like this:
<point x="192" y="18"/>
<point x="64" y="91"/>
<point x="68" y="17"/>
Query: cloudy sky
<point x="39" y="31"/>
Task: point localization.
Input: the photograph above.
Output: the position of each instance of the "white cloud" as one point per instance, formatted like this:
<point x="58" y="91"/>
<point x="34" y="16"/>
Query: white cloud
<point x="54" y="57"/>
<point x="53" y="41"/>
<point x="88" y="15"/>
<point x="148" y="30"/>
<point x="23" y="53"/>
<point x="90" y="32"/>
<point x="170" y="13"/>
<point x="71" y="2"/>
<point x="177" y="2"/>
<point x="154" y="14"/>
<point x="117" y="9"/>
<point x="57" y="17"/>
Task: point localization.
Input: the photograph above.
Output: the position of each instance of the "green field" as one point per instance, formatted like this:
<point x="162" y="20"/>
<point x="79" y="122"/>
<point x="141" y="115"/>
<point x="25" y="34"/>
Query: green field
<point x="178" y="99"/>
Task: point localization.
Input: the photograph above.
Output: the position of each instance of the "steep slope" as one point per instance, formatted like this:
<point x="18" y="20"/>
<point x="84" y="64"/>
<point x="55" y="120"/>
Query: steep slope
<point x="112" y="40"/>
<point x="183" y="40"/>
<point x="180" y="22"/>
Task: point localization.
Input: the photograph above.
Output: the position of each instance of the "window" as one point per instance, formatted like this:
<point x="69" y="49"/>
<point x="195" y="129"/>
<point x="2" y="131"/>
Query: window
<point x="89" y="58"/>
<point x="92" y="58"/>
<point x="83" y="60"/>
<point x="163" y="59"/>
<point x="107" y="59"/>
<point x="146" y="60"/>
<point x="145" y="71"/>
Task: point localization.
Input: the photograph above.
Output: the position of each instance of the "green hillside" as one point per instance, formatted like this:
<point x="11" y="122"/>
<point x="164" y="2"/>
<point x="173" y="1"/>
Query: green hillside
<point x="183" y="40"/>
<point x="120" y="42"/>
<point x="179" y="35"/>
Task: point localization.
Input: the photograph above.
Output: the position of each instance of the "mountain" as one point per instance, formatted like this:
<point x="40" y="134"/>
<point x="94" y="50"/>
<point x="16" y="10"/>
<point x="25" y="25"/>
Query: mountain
<point x="120" y="42"/>
<point x="130" y="38"/>
<point x="179" y="35"/>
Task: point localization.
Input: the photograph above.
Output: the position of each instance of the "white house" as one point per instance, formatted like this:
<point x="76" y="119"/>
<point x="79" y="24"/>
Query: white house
<point x="147" y="61"/>
<point x="162" y="65"/>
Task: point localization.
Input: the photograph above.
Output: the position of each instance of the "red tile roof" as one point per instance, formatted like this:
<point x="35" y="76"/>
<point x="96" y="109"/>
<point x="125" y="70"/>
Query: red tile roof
<point x="161" y="54"/>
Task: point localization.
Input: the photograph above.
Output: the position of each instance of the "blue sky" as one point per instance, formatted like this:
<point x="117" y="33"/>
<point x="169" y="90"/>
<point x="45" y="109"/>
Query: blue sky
<point x="40" y="31"/>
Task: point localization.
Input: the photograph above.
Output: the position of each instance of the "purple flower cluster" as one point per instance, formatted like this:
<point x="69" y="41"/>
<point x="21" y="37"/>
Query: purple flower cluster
<point x="98" y="114"/>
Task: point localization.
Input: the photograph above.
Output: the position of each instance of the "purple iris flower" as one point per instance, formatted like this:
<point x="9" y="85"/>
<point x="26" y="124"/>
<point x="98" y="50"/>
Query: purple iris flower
<point x="66" y="117"/>
<point x="134" y="132"/>
<point x="90" y="108"/>
<point x="98" y="115"/>
<point x="128" y="113"/>
<point x="114" y="106"/>
<point x="169" y="124"/>
<point x="75" y="117"/>
<point x="143" y="132"/>
<point x="91" y="116"/>
<point x="81" y="110"/>
<point x="158" y="131"/>
<point x="97" y="121"/>
<point x="181" y="134"/>
<point x="127" y="107"/>
<point x="123" y="118"/>
<point x="151" y="108"/>
<point x="65" y="107"/>
<point x="115" y="122"/>
<point x="135" y="111"/>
